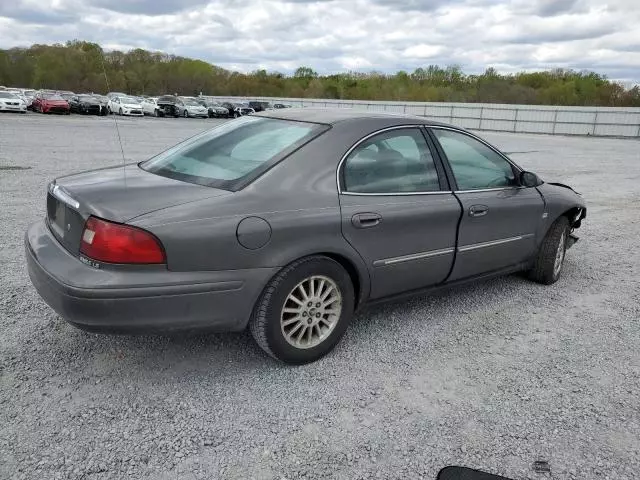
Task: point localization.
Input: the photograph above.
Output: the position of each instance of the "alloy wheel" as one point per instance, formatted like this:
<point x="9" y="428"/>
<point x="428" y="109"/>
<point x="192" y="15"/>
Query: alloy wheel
<point x="557" y="265"/>
<point x="311" y="311"/>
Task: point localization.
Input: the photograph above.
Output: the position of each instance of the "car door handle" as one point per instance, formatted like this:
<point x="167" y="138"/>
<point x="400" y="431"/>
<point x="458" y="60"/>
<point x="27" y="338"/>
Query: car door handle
<point x="366" y="220"/>
<point x="478" y="210"/>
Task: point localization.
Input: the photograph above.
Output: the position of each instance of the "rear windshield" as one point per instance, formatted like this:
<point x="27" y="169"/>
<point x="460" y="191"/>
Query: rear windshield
<point x="233" y="154"/>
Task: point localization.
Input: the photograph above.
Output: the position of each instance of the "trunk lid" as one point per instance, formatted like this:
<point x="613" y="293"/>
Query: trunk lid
<point x="118" y="194"/>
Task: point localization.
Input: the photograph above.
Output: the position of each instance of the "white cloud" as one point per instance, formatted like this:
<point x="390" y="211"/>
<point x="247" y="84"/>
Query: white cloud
<point x="339" y="35"/>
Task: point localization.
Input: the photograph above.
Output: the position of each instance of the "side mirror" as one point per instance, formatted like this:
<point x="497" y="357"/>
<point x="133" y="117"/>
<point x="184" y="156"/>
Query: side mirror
<point x="529" y="179"/>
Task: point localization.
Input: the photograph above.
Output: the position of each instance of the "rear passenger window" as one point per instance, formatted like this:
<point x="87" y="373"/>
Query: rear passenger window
<point x="396" y="161"/>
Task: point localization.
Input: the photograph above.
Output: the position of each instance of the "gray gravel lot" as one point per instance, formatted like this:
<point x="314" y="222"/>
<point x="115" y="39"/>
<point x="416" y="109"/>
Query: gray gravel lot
<point x="492" y="376"/>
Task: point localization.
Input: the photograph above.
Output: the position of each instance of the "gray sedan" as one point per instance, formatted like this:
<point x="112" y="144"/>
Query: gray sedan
<point x="287" y="222"/>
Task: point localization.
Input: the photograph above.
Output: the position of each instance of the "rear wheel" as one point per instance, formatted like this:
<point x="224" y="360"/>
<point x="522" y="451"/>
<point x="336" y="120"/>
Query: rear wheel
<point x="304" y="310"/>
<point x="550" y="259"/>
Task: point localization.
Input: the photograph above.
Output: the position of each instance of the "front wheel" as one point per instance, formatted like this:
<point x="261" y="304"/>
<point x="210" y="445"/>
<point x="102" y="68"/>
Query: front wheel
<point x="120" y="112"/>
<point x="185" y="114"/>
<point x="304" y="310"/>
<point x="236" y="114"/>
<point x="550" y="258"/>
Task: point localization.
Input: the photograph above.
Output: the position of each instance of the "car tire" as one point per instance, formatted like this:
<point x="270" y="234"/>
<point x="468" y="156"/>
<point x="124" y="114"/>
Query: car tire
<point x="185" y="114"/>
<point x="236" y="114"/>
<point x="155" y="113"/>
<point x="548" y="263"/>
<point x="271" y="325"/>
<point x="120" y="111"/>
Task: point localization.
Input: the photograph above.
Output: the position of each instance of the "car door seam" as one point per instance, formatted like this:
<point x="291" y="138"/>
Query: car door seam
<point x="456" y="239"/>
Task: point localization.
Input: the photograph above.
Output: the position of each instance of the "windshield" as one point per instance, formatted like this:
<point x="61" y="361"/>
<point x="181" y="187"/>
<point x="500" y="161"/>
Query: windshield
<point x="86" y="98"/>
<point x="52" y="96"/>
<point x="226" y="155"/>
<point x="190" y="102"/>
<point x="129" y="100"/>
<point x="7" y="95"/>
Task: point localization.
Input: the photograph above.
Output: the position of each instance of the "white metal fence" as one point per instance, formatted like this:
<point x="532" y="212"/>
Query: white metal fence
<point x="598" y="121"/>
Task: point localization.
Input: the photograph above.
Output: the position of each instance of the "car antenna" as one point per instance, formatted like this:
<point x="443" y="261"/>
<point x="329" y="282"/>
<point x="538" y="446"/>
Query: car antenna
<point x="115" y="120"/>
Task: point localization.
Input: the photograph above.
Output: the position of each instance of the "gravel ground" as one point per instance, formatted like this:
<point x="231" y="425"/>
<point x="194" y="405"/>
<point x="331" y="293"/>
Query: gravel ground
<point x="494" y="376"/>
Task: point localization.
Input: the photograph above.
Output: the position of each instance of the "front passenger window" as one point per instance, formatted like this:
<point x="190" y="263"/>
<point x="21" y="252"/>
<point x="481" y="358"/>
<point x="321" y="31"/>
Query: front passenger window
<point x="475" y="166"/>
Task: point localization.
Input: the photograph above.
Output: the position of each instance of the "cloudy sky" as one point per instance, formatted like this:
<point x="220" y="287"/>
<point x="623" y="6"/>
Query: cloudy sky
<point x="340" y="35"/>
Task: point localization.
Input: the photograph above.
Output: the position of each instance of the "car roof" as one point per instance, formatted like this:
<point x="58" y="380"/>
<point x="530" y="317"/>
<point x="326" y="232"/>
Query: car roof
<point x="332" y="116"/>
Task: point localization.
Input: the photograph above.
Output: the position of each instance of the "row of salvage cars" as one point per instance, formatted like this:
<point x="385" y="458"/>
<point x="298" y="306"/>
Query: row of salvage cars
<point x="118" y="103"/>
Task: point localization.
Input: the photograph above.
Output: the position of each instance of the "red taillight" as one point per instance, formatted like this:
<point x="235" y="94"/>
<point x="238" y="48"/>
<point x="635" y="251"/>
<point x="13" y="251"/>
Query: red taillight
<point x="114" y="243"/>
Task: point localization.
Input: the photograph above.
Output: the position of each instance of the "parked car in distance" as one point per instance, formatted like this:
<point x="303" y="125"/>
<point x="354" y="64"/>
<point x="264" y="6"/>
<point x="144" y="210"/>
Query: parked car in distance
<point x="86" y="104"/>
<point x="104" y="103"/>
<point x="111" y="95"/>
<point x="215" y="109"/>
<point x="290" y="221"/>
<point x="10" y="102"/>
<point x="237" y="109"/>
<point x="46" y="102"/>
<point x="29" y="95"/>
<point x="125" y="105"/>
<point x="168" y="106"/>
<point x="281" y="105"/>
<point x="190" y="108"/>
<point x="150" y="106"/>
<point x="260" y="106"/>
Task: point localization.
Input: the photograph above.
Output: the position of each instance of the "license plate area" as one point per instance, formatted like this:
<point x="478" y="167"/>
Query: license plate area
<point x="57" y="218"/>
<point x="65" y="223"/>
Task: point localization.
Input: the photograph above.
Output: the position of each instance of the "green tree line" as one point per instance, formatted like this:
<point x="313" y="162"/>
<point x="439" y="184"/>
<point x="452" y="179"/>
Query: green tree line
<point x="84" y="67"/>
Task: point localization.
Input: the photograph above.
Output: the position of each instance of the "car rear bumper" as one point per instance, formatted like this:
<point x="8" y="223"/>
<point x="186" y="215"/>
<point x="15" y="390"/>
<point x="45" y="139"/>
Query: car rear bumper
<point x="141" y="300"/>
